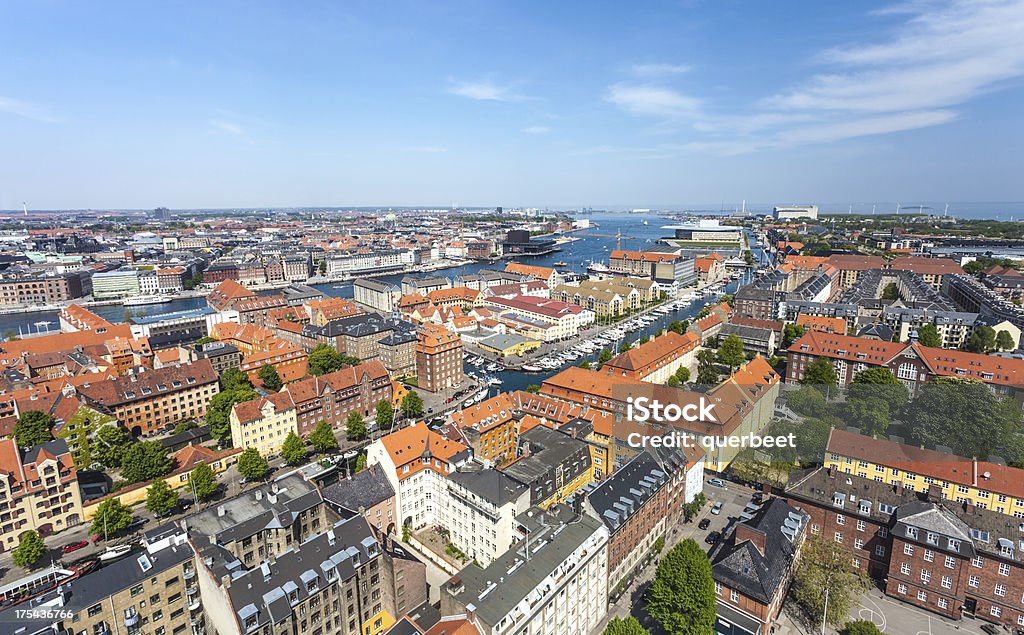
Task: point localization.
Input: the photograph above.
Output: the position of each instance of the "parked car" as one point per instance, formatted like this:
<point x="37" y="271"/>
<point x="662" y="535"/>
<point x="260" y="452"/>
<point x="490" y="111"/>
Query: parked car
<point x="704" y="524"/>
<point x="712" y="538"/>
<point x="74" y="546"/>
<point x="137" y="524"/>
<point x="716" y="509"/>
<point x="716" y="482"/>
<point x="758" y="497"/>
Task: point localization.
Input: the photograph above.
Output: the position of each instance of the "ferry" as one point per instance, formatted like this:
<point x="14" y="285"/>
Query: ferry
<point x="597" y="267"/>
<point x="147" y="299"/>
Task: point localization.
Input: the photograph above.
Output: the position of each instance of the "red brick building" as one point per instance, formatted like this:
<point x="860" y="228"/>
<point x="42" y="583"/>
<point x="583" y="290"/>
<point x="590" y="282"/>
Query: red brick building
<point x="438" y="358"/>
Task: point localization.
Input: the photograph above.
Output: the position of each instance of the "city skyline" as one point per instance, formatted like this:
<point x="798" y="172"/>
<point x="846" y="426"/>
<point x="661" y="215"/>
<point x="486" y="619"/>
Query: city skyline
<point x="515" y="105"/>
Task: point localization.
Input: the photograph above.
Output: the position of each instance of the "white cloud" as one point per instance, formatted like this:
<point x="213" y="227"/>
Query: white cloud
<point x="26" y="110"/>
<point x="940" y="55"/>
<point x="657" y="70"/>
<point x="484" y="90"/>
<point x="647" y="99"/>
<point x="228" y="127"/>
<point x="536" y="130"/>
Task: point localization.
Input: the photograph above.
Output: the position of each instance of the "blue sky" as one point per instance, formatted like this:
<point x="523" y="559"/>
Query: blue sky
<point x="238" y="104"/>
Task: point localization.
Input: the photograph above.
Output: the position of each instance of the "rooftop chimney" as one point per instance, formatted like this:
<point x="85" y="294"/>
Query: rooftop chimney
<point x="755" y="536"/>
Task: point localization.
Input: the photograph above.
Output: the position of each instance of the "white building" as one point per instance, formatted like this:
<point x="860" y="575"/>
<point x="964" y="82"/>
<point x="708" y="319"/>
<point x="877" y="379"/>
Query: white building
<point x="149" y="284"/>
<point x="794" y="212"/>
<point x="552" y="582"/>
<point x="479" y="508"/>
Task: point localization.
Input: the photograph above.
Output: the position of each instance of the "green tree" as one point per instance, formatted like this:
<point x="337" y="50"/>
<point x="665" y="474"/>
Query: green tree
<point x="682" y="596"/>
<point x="860" y="627"/>
<point x="964" y="415"/>
<point x="707" y="374"/>
<point x="144" y="460"/>
<point x="870" y="415"/>
<point x="585" y="364"/>
<point x="355" y="426"/>
<point x="820" y="373"/>
<point x="233" y="378"/>
<point x="730" y="352"/>
<point x="982" y="340"/>
<point x="808" y="401"/>
<point x="29" y="550"/>
<point x="891" y="292"/>
<point x="826" y="566"/>
<point x="322" y="437"/>
<point x="533" y="389"/>
<point x="673" y="381"/>
<point x="1004" y="341"/>
<point x="644" y="340"/>
<point x="206" y="340"/>
<point x="269" y="378"/>
<point x="324" y="359"/>
<point x="384" y="414"/>
<point x="111" y="515"/>
<point x="412" y="404"/>
<point x="293" y="450"/>
<point x="251" y="464"/>
<point x="929" y="336"/>
<point x="879" y="383"/>
<point x="676" y="327"/>
<point x="624" y="346"/>
<point x="360" y="462"/>
<point x="160" y="498"/>
<point x="185" y="426"/>
<point x="625" y="626"/>
<point x="603" y="357"/>
<point x="683" y="374"/>
<point x="109" y="443"/>
<point x="203" y="481"/>
<point x="32" y="428"/>
<point x="218" y="411"/>
<point x="791" y="333"/>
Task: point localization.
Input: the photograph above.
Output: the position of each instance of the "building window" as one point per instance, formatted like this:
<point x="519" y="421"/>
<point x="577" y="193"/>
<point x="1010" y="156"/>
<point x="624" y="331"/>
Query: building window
<point x="839" y="537"/>
<point x="902" y="589"/>
<point x="929" y="555"/>
<point x="995" y="611"/>
<point x="926" y="576"/>
<point x="977" y="561"/>
<point x="942" y="603"/>
<point x="1000" y="590"/>
<point x="947" y="582"/>
<point x="1004" y="569"/>
<point x="905" y="568"/>
<point x="734" y="596"/>
<point x="921" y="595"/>
<point x="840" y="519"/>
<point x="908" y="549"/>
<point x="950" y="562"/>
<point x="973" y="581"/>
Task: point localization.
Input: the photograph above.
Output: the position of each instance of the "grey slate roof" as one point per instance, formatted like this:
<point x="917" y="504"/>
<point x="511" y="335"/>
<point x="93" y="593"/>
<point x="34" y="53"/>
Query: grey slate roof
<point x="333" y="555"/>
<point x="496" y="590"/>
<point x="625" y="492"/>
<point x="365" y="489"/>
<point x="743" y="567"/>
<point x="490" y="485"/>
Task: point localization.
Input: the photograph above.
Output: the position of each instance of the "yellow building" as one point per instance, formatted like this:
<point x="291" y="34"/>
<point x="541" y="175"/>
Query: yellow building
<point x="986" y="485"/>
<point x="38" y="489"/>
<point x="264" y="423"/>
<point x="508" y="345"/>
<point x="186" y="460"/>
<point x="553" y="463"/>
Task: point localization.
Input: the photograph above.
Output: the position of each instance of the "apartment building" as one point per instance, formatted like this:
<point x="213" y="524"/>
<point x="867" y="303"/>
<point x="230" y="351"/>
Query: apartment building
<point x="664" y="268"/>
<point x="120" y="283"/>
<point x="633" y="504"/>
<point x="911" y="363"/>
<point x="954" y="559"/>
<point x="608" y="298"/>
<point x="984" y="484"/>
<point x="553" y="463"/>
<point x="227" y="293"/>
<point x="439" y="355"/>
<point x="479" y="507"/>
<point x="38" y="490"/>
<point x="368" y="493"/>
<point x="27" y="289"/>
<point x="555" y="580"/>
<point x="491" y="427"/>
<point x="657" y="360"/>
<point x="752" y="566"/>
<point x="153" y="591"/>
<point x="145" y="401"/>
<point x="416" y="461"/>
<point x="710" y="269"/>
<point x="564" y="320"/>
<point x="263" y="423"/>
<point x="263" y="347"/>
<point x="379" y="296"/>
<point x="222" y="355"/>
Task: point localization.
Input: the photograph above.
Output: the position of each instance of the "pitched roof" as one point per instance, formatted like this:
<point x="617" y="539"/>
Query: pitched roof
<point x="148" y="384"/>
<point x="409" y="444"/>
<point x="643" y="256"/>
<point x="541" y="273"/>
<point x="651" y="352"/>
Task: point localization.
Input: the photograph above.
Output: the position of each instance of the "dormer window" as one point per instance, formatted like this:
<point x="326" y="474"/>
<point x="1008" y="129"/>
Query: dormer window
<point x="912" y="532"/>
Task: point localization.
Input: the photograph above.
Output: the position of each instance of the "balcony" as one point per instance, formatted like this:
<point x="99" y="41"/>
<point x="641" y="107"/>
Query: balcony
<point x="194" y="604"/>
<point x="189" y="574"/>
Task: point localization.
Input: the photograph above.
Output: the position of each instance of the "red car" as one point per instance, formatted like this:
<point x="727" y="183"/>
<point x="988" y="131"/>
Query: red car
<point x="75" y="546"/>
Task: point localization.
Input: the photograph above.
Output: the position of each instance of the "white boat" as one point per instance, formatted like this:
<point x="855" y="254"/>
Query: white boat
<point x="147" y="299"/>
<point x="115" y="552"/>
<point x="493" y="381"/>
<point x="597" y="267"/>
<point x="532" y="368"/>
